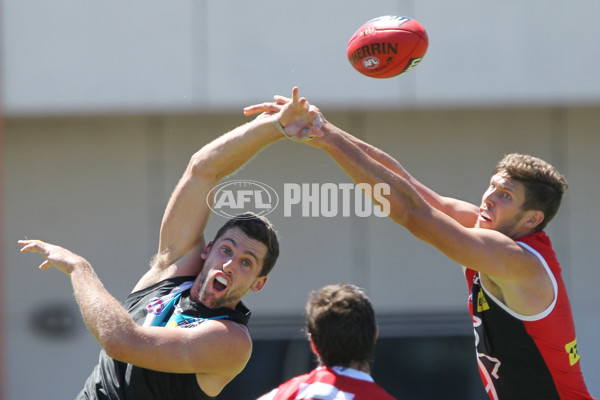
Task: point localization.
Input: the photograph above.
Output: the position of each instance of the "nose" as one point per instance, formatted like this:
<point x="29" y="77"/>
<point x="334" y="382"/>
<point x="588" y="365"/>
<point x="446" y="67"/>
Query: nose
<point x="488" y="198"/>
<point x="488" y="202"/>
<point x="227" y="266"/>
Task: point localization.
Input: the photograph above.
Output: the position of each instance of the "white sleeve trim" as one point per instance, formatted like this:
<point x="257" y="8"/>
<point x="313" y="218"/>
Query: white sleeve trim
<point x="548" y="310"/>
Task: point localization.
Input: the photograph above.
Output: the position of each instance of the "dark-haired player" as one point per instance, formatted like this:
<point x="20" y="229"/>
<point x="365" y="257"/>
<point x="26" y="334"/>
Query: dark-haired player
<point x="182" y="331"/>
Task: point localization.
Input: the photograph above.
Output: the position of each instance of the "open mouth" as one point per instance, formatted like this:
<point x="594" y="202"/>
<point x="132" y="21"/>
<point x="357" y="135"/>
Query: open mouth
<point x="484" y="216"/>
<point x="220" y="283"/>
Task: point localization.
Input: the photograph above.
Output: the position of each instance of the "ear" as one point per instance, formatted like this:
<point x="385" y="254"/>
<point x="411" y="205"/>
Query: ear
<point x="259" y="283"/>
<point x="533" y="218"/>
<point x="206" y="250"/>
<point x="313" y="348"/>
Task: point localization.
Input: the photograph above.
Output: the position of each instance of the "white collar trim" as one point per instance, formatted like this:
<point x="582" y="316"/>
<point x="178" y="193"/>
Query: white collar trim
<point x="352" y="373"/>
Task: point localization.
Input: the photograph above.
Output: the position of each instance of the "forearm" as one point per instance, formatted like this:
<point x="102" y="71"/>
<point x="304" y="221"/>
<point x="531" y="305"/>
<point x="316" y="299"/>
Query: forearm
<point x="363" y="168"/>
<point x="187" y="213"/>
<point x="226" y="154"/>
<point x="462" y="211"/>
<point x="406" y="205"/>
<point x="103" y="315"/>
<point x="390" y="163"/>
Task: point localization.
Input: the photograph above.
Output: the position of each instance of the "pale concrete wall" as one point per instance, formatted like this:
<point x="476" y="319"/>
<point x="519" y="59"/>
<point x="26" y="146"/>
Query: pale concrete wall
<point x="98" y="185"/>
<point x="150" y="55"/>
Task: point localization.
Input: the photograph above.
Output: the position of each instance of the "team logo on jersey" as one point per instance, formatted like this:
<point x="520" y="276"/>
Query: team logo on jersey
<point x="571" y="348"/>
<point x="482" y="303"/>
<point x="155" y="306"/>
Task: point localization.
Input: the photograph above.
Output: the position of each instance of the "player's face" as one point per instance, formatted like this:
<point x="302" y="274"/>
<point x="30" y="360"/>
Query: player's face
<point x="501" y="207"/>
<point x="231" y="268"/>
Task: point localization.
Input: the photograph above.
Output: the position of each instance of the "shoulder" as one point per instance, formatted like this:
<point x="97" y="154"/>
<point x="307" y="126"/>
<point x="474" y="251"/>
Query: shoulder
<point x="538" y="243"/>
<point x="536" y="239"/>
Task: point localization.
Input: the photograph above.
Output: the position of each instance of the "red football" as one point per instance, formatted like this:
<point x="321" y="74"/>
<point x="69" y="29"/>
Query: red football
<point x="387" y="46"/>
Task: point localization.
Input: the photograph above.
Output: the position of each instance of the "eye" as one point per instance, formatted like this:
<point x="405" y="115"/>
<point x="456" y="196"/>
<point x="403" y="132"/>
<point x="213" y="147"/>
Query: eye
<point x="506" y="195"/>
<point x="226" y="250"/>
<point x="247" y="263"/>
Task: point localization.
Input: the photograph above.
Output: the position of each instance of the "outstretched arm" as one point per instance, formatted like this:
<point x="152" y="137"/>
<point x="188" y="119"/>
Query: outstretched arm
<point x="485" y="250"/>
<point x="447" y="224"/>
<point x="215" y="349"/>
<point x="462" y="211"/>
<point x="188" y="210"/>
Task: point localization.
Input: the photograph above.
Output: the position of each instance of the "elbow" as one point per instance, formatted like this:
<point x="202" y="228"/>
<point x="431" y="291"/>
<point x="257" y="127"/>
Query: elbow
<point x="412" y="219"/>
<point x="199" y="162"/>
<point x="202" y="167"/>
<point x="398" y="217"/>
<point x="114" y="349"/>
<point x="117" y="343"/>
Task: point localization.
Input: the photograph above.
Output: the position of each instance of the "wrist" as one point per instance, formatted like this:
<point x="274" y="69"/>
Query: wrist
<point x="279" y="126"/>
<point x="79" y="266"/>
<point x="293" y="137"/>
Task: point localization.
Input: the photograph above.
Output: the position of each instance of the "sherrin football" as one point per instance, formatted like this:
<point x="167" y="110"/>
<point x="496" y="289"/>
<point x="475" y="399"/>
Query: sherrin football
<point x="387" y="46"/>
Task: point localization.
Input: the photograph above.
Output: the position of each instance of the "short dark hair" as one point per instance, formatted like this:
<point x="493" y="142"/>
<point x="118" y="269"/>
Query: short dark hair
<point x="259" y="228"/>
<point x="341" y="322"/>
<point x="544" y="185"/>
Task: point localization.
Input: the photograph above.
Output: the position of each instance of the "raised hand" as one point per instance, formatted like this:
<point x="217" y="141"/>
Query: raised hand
<point x="296" y="118"/>
<point x="55" y="256"/>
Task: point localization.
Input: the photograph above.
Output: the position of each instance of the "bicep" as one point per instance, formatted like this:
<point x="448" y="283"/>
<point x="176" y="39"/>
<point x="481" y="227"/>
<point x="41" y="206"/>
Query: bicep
<point x="186" y="215"/>
<point x="484" y="250"/>
<point x="213" y="347"/>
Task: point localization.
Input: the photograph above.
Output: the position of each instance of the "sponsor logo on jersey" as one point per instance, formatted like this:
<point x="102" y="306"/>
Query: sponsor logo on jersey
<point x="482" y="304"/>
<point x="571" y="348"/>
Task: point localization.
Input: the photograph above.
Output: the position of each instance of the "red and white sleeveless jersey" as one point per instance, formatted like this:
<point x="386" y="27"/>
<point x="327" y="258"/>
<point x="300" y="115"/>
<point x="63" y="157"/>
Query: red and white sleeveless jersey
<point x="527" y="357"/>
